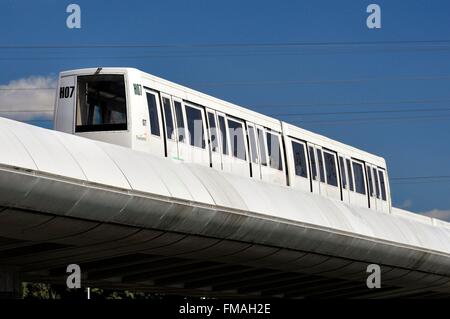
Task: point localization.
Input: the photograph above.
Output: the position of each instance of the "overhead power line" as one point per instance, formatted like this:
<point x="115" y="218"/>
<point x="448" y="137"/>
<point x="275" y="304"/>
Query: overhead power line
<point x="50" y="109"/>
<point x="277" y="115"/>
<point x="205" y="54"/>
<point x="411" y="180"/>
<point x="288" y="82"/>
<point x="361" y="112"/>
<point x="422" y="182"/>
<point x="331" y="81"/>
<point x="385" y="103"/>
<point x="226" y="45"/>
<point x="355" y="120"/>
<point x="357" y="103"/>
<point x="444" y="117"/>
<point x="377" y="119"/>
<point x="408" y="178"/>
<point x="27" y="111"/>
<point x="27" y="89"/>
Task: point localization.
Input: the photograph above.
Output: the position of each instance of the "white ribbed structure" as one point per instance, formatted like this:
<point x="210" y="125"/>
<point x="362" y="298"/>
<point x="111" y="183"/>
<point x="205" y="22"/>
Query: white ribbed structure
<point x="65" y="175"/>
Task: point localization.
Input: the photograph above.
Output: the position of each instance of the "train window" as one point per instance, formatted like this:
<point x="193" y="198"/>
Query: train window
<point x="359" y="178"/>
<point x="253" y="149"/>
<point x="170" y="131"/>
<point x="312" y="159"/>
<point x="237" y="144"/>
<point x="301" y="168"/>
<point x="262" y="150"/>
<point x="274" y="151"/>
<point x="213" y="132"/>
<point x="321" y="168"/>
<point x="343" y="175"/>
<point x="369" y="175"/>
<point x="330" y="166"/>
<point x="101" y="103"/>
<point x="377" y="185"/>
<point x="350" y="174"/>
<point x="223" y="135"/>
<point x="383" y="185"/>
<point x="180" y="121"/>
<point x="153" y="114"/>
<point x="195" y="126"/>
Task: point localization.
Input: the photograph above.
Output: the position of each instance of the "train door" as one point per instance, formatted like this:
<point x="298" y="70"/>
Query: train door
<point x="297" y="157"/>
<point x="345" y="185"/>
<point x="327" y="179"/>
<point x="325" y="172"/>
<point x="214" y="140"/>
<point x="262" y="150"/>
<point x="182" y="138"/>
<point x="238" y="146"/>
<point x="332" y="178"/>
<point x="225" y="143"/>
<point x="384" y="203"/>
<point x="320" y="181"/>
<point x="255" y="162"/>
<point x="376" y="181"/>
<point x="275" y="171"/>
<point x="169" y="127"/>
<point x="371" y="187"/>
<point x="315" y="175"/>
<point x="156" y="136"/>
<point x="198" y="148"/>
<point x="359" y="195"/>
<point x="375" y="196"/>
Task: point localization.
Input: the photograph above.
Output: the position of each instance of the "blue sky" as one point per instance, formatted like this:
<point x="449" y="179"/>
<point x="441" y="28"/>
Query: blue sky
<point x="272" y="80"/>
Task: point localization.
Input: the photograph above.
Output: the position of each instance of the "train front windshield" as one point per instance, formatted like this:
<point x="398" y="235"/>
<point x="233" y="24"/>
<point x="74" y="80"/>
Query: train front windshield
<point x="101" y="103"/>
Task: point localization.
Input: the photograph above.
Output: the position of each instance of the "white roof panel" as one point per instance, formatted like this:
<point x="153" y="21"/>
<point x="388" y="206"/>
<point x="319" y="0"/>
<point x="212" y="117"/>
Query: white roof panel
<point x="192" y="183"/>
<point x="95" y="163"/>
<point x="223" y="193"/>
<point x="48" y="153"/>
<point x="137" y="169"/>
<point x="13" y="152"/>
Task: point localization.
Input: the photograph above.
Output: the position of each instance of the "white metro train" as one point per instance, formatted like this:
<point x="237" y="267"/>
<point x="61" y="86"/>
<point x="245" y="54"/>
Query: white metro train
<point x="134" y="109"/>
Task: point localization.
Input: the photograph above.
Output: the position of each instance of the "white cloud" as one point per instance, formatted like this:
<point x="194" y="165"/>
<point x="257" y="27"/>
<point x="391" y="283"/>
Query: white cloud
<point x="406" y="204"/>
<point x="438" y="213"/>
<point x="28" y="104"/>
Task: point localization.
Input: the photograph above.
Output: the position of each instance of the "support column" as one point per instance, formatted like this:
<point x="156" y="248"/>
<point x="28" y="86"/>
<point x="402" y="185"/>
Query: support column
<point x="10" y="285"/>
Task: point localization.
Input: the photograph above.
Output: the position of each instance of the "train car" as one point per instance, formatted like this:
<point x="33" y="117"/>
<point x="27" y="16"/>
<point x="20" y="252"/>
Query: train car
<point x="134" y="109"/>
